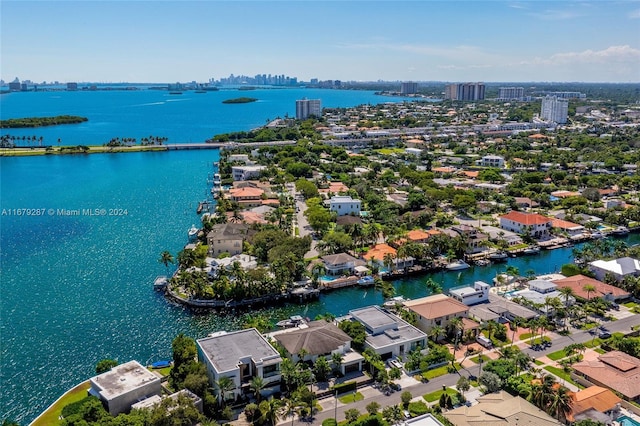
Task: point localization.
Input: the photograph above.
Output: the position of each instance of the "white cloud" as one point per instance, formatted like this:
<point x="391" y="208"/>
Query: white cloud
<point x="556" y="15"/>
<point x="624" y="53"/>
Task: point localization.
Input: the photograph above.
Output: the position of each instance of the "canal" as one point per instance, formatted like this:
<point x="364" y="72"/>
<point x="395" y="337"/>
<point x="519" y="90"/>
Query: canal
<point x="339" y="302"/>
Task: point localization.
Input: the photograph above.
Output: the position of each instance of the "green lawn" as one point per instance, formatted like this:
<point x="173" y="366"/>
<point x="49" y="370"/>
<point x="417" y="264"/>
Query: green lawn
<point x="600" y="350"/>
<point x="389" y="151"/>
<point x="630" y="304"/>
<point x="537" y="362"/>
<point x="440" y="371"/>
<point x="434" y="396"/>
<point x="588" y="326"/>
<point x="348" y="399"/>
<point x="593" y="343"/>
<point x="525" y="336"/>
<point x="557" y="355"/>
<point x="565" y="376"/>
<point x="51" y="416"/>
<point x="476" y="359"/>
<point x="163" y="371"/>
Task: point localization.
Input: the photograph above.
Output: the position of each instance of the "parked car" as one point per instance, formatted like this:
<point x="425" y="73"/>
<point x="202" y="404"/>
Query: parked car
<point x="603" y="334"/>
<point x="484" y="342"/>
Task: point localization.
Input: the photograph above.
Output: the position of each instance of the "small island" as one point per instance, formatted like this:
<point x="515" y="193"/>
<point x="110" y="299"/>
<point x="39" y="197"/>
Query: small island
<point x="14" y="123"/>
<point x="242" y="100"/>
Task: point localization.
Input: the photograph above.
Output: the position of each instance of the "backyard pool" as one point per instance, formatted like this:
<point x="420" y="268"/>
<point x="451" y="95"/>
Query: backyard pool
<point x="627" y="421"/>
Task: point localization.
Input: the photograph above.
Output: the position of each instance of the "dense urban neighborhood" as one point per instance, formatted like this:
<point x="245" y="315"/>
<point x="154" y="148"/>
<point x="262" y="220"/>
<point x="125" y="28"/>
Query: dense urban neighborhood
<point x="367" y="195"/>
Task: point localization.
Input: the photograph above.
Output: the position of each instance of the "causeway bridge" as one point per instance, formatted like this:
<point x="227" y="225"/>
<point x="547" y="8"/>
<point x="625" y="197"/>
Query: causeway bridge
<point x="225" y="145"/>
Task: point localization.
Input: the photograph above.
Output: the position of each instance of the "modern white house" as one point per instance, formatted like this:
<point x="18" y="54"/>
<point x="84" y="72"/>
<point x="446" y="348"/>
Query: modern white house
<point x="246" y="172"/>
<point x="245" y="262"/>
<point x="340" y="263"/>
<point x="468" y="295"/>
<point x="344" y="205"/>
<point x="617" y="268"/>
<point x="540" y="291"/>
<point x="388" y="335"/>
<point x="241" y="356"/>
<point x="491" y="161"/>
<point x="123" y="386"/>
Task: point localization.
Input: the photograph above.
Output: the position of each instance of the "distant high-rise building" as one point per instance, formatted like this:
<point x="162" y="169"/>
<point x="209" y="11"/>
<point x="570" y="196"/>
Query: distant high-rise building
<point x="510" y="93"/>
<point x="554" y="109"/>
<point x="72" y="86"/>
<point x="409" y="88"/>
<point x="464" y="91"/>
<point x="15" y="86"/>
<point x="308" y="107"/>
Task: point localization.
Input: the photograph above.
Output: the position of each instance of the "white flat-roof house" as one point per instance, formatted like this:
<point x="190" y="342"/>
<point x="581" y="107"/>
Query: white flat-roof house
<point x="491" y="161"/>
<point x="123" y="386"/>
<point x="618" y="268"/>
<point x="241" y="356"/>
<point x="468" y="295"/>
<point x="246" y="172"/>
<point x="344" y="205"/>
<point x="388" y="335"/>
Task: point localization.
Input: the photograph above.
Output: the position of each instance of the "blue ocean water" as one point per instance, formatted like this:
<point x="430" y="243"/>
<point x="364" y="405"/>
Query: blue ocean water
<point x="190" y="117"/>
<point x="76" y="289"/>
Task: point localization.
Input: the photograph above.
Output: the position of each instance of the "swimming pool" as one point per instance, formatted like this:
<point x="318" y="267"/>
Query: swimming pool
<point x="627" y="421"/>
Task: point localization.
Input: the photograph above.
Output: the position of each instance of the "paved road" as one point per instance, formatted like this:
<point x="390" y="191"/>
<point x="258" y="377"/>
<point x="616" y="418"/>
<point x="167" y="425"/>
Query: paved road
<point x="329" y="404"/>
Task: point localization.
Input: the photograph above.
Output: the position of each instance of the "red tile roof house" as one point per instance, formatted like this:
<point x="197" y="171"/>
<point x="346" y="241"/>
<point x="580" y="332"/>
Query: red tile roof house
<point x="606" y="291"/>
<point x="536" y="225"/>
<point x="573" y="230"/>
<point x="615" y="370"/>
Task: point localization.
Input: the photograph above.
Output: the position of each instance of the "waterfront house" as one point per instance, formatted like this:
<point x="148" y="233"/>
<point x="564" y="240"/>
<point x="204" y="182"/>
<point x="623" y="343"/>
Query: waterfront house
<point x="570" y="229"/>
<point x="319" y="338"/>
<point x="379" y="252"/>
<point x="500" y="309"/>
<point x="469" y="296"/>
<point x="615" y="370"/>
<point x="246" y="196"/>
<point x="123" y="386"/>
<point x="594" y="403"/>
<point x="536" y="225"/>
<point x="155" y="400"/>
<point x="538" y="293"/>
<point x="227" y="238"/>
<point x="340" y="264"/>
<point x="476" y="241"/>
<point x="438" y="309"/>
<point x="344" y="205"/>
<point x="606" y="291"/>
<point x="245" y="262"/>
<point x="246" y="172"/>
<point x="241" y="356"/>
<point x="617" y="268"/>
<point x="500" y="408"/>
<point x="388" y="335"/>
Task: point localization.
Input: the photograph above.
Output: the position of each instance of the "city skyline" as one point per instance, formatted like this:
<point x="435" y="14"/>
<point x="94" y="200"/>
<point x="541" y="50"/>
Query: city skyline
<point x="168" y="41"/>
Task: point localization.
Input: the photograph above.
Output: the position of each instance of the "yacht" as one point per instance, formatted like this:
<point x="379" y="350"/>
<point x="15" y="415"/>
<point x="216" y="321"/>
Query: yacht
<point x="531" y="250"/>
<point x="193" y="232"/>
<point x="499" y="256"/>
<point x="620" y="231"/>
<point x="365" y="281"/>
<point x="457" y="265"/>
<point x="293" y="321"/>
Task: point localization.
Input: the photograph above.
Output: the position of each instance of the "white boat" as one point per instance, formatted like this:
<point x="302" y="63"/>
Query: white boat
<point x="193" y="232"/>
<point x="391" y="303"/>
<point x="531" y="250"/>
<point x="597" y="235"/>
<point x="291" y="322"/>
<point x="620" y="230"/>
<point x="498" y="256"/>
<point x="457" y="265"/>
<point x="366" y="281"/>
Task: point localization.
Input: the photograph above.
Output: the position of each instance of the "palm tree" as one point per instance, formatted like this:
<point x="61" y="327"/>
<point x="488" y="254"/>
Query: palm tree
<point x="336" y="359"/>
<point x="522" y="361"/>
<point x="388" y="260"/>
<point x="589" y="288"/>
<point x="433" y="286"/>
<point x="271" y="410"/>
<point x="560" y="403"/>
<point x="256" y="386"/>
<point x="224" y="384"/>
<point x="490" y="326"/>
<point x="166" y="258"/>
<point x="435" y="332"/>
<point x="568" y="293"/>
<point x="515" y="323"/>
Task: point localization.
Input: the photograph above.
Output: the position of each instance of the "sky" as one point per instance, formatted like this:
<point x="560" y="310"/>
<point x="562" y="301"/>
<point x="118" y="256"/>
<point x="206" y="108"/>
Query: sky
<point x="171" y="41"/>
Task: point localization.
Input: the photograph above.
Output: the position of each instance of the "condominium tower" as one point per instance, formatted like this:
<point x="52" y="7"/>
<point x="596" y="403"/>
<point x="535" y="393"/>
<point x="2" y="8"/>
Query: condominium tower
<point x="464" y="91"/>
<point x="308" y="107"/>
<point x="554" y="109"/>
<point x="510" y="93"/>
